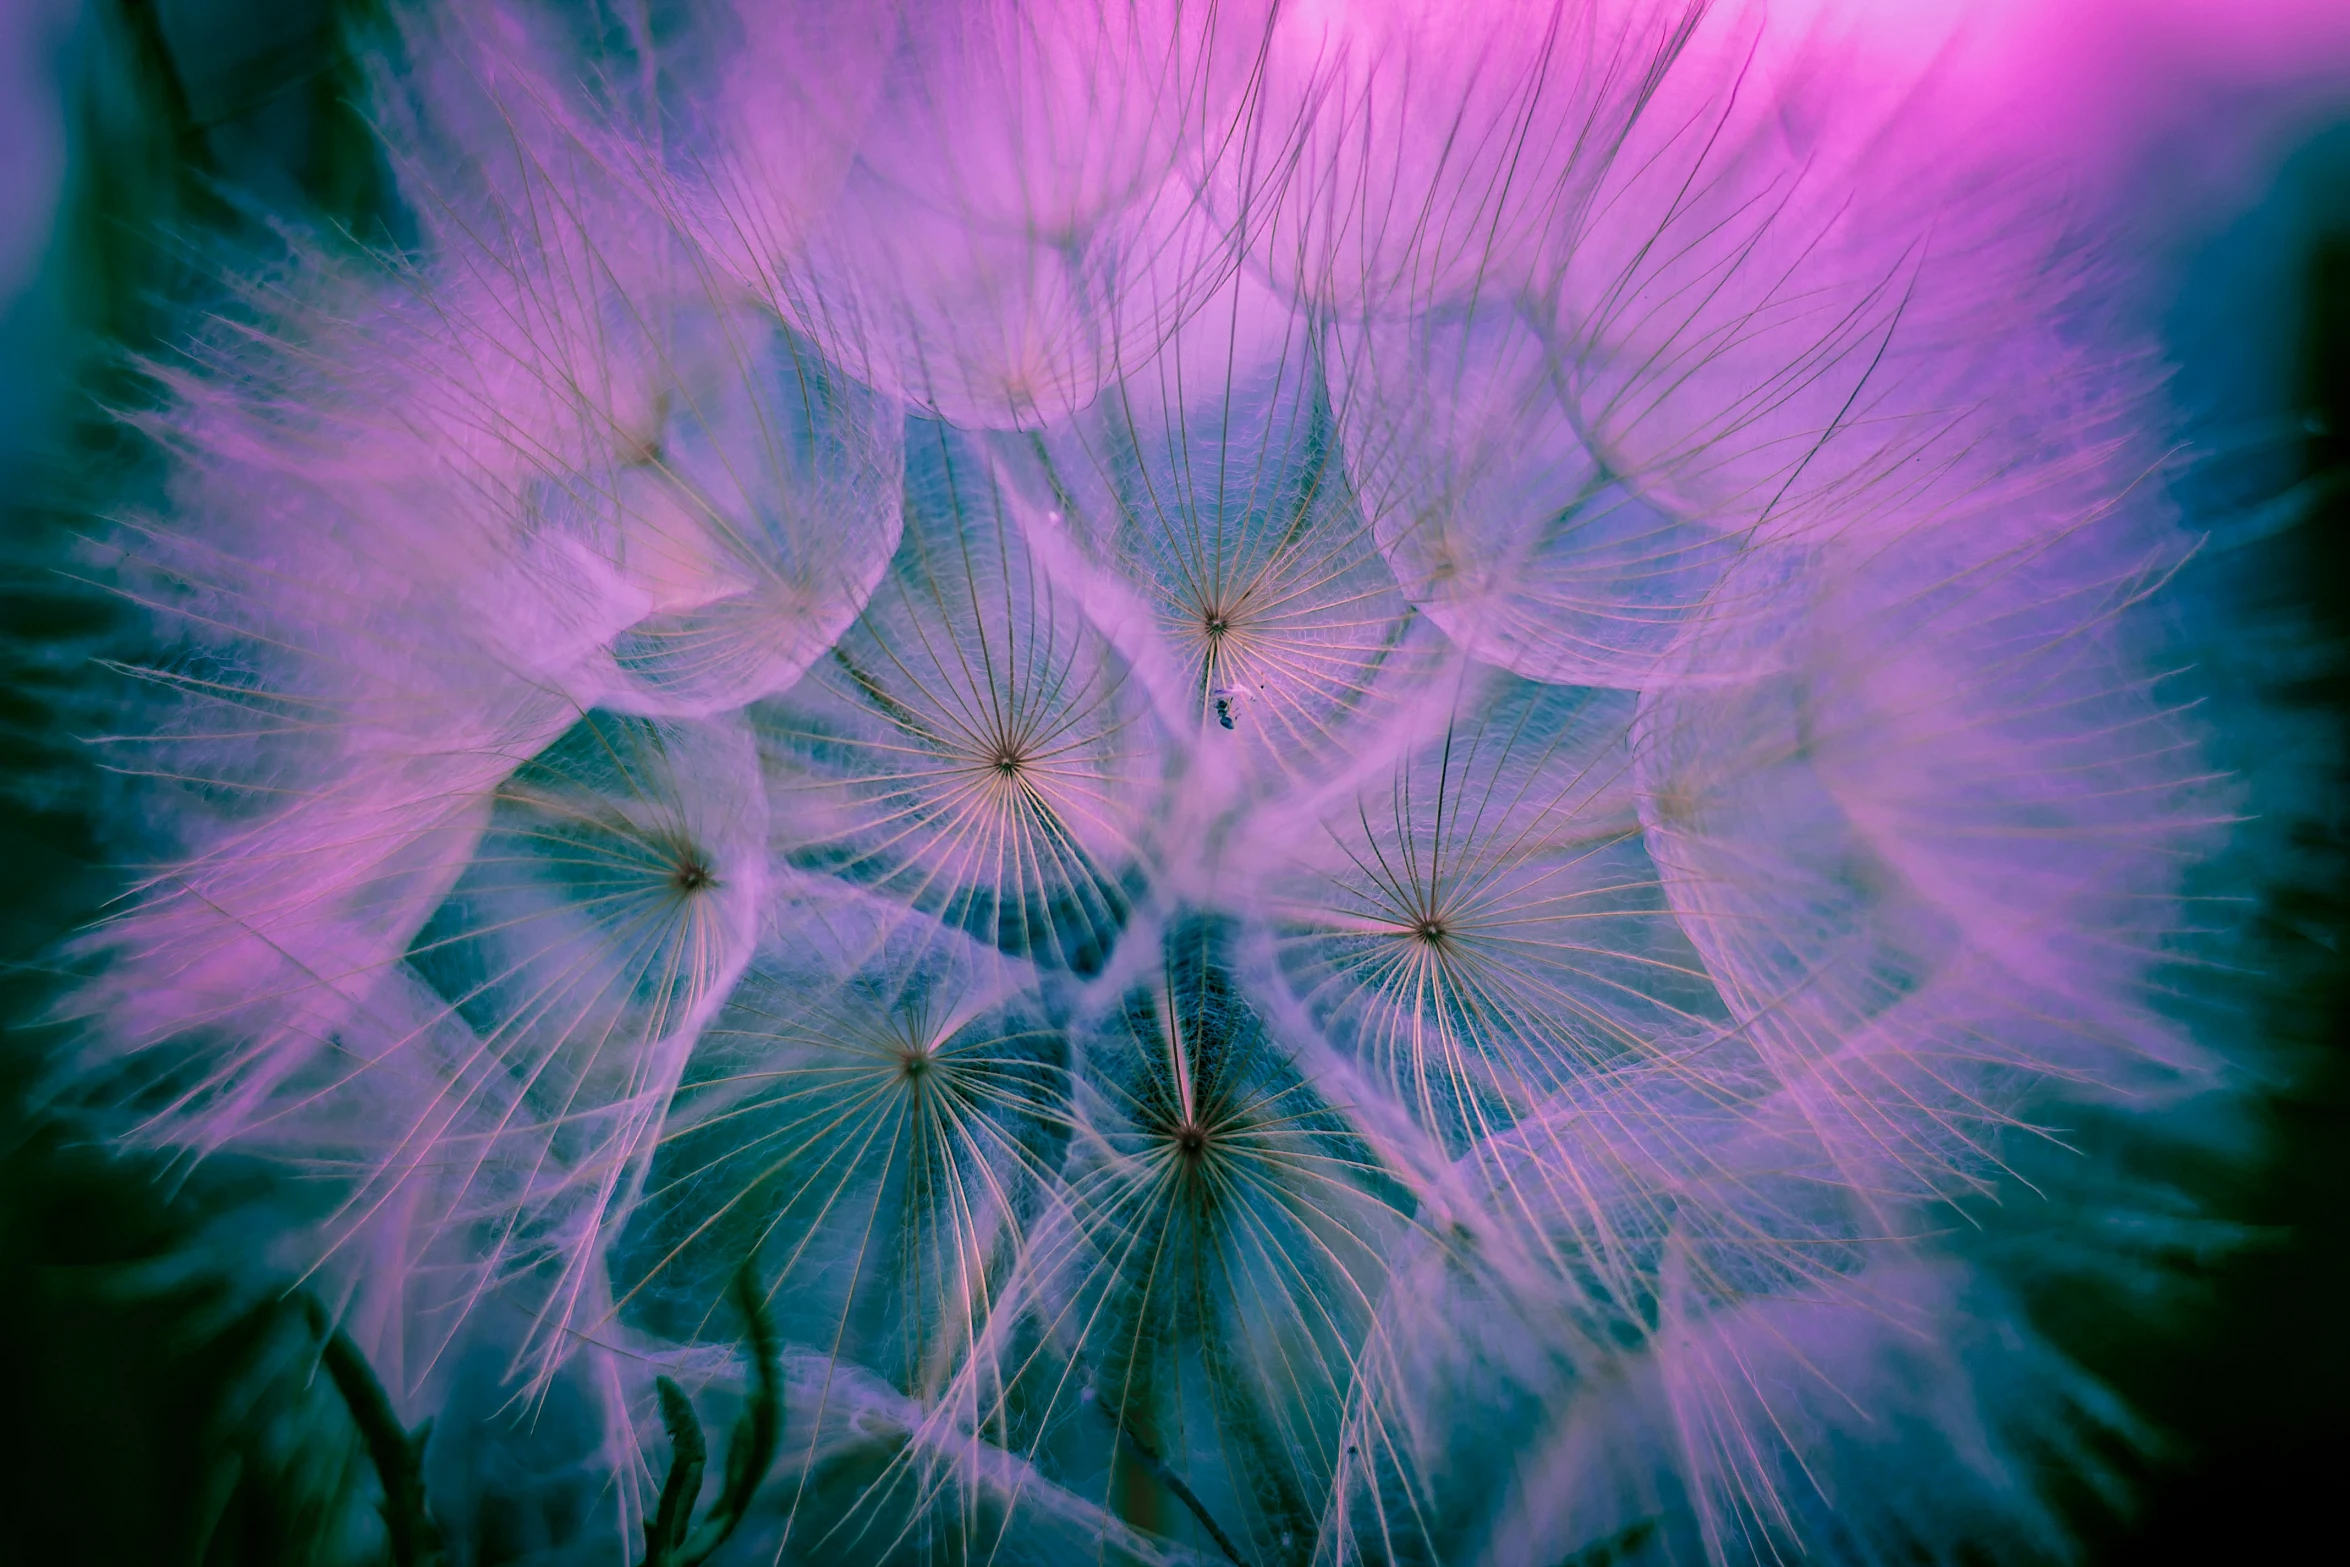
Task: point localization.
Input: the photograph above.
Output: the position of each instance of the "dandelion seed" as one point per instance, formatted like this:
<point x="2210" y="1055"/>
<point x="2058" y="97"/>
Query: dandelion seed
<point x="1225" y="1232"/>
<point x="608" y="909"/>
<point x="1506" y="527"/>
<point x="1485" y="929"/>
<point x="974" y="745"/>
<point x="997" y="204"/>
<point x="1208" y="490"/>
<point x="875" y="1111"/>
<point x="755" y="525"/>
<point x="1407" y="163"/>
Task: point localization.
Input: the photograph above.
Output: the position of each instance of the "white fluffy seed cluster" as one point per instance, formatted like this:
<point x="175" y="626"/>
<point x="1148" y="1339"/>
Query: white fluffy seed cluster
<point x="1336" y="769"/>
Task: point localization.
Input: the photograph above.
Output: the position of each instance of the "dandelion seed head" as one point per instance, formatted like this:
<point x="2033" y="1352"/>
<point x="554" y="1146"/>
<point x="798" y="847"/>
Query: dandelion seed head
<point x="1280" y="750"/>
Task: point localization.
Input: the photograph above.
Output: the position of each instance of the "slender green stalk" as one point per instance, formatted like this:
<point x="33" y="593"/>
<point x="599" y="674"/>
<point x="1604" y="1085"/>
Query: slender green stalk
<point x="396" y="1452"/>
<point x="750" y="1447"/>
<point x="688" y="1453"/>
